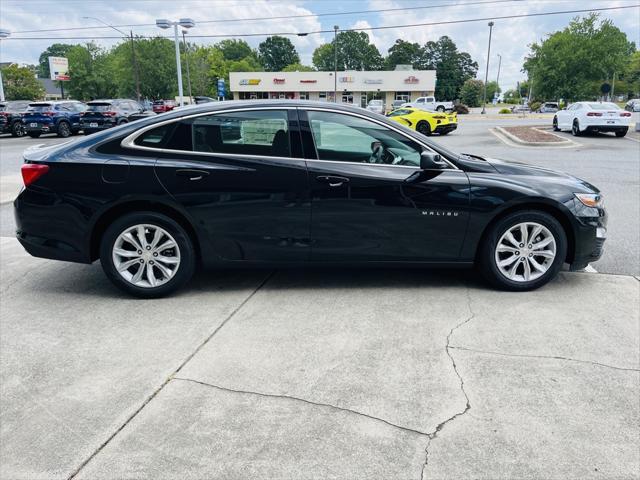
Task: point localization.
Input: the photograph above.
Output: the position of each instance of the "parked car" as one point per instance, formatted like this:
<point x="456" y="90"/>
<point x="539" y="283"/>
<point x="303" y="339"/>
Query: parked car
<point x="633" y="105"/>
<point x="426" y="123"/>
<point x="549" y="107"/>
<point x="61" y="117"/>
<point x="352" y="187"/>
<point x="144" y="114"/>
<point x="431" y="104"/>
<point x="520" y="109"/>
<point x="376" y="106"/>
<point x="583" y="117"/>
<point x="102" y="114"/>
<point x="11" y="117"/>
<point x="200" y="99"/>
<point x="161" y="106"/>
<point x="397" y="104"/>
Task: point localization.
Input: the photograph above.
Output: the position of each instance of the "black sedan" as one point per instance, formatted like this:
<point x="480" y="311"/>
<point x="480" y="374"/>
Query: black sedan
<point x="296" y="183"/>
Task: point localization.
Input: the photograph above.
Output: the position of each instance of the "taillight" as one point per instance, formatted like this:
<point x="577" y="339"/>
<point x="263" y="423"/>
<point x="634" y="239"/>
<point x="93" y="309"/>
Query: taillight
<point x="109" y="114"/>
<point x="51" y="114"/>
<point x="625" y="114"/>
<point x="32" y="172"/>
<point x="439" y="117"/>
<point x="594" y="114"/>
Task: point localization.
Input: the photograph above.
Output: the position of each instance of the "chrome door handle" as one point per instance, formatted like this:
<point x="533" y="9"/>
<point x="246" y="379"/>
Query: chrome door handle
<point x="192" y="173"/>
<point x="332" y="181"/>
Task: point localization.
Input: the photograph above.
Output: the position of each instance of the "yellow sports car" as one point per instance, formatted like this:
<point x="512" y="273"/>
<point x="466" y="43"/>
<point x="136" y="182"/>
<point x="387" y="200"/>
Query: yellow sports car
<point x="425" y="122"/>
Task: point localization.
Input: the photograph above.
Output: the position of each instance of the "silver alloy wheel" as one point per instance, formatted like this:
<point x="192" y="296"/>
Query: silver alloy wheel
<point x="525" y="252"/>
<point x="146" y="255"/>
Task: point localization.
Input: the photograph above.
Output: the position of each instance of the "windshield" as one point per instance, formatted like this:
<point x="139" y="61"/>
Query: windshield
<point x="98" y="107"/>
<point x="603" y="106"/>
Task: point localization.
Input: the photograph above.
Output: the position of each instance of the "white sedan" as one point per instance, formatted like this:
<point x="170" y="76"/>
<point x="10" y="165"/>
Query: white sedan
<point x="583" y="117"/>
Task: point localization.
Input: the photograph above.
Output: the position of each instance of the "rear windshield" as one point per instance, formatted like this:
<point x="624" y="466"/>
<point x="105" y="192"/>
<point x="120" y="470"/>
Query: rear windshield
<point x="159" y="102"/>
<point x="603" y="106"/>
<point x="550" y="104"/>
<point x="98" y="107"/>
<point x="39" y="107"/>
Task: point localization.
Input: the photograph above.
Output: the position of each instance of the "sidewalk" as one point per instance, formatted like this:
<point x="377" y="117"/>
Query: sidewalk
<point x="316" y="374"/>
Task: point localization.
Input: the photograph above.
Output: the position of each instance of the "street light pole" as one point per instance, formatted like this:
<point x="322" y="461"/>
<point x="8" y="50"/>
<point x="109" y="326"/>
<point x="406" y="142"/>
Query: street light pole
<point x="134" y="60"/>
<point x="486" y="73"/>
<point x="3" y="34"/>
<point x="499" y="63"/>
<point x="335" y="63"/>
<point x="184" y="23"/>
<point x="186" y="57"/>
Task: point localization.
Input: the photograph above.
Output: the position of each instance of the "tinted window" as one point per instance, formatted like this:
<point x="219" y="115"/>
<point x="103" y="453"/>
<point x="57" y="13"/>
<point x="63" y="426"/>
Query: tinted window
<point x="354" y="139"/>
<point x="401" y="111"/>
<point x="604" y="106"/>
<point x="39" y="107"/>
<point x="256" y="132"/>
<point x="99" y="107"/>
<point x="154" y="137"/>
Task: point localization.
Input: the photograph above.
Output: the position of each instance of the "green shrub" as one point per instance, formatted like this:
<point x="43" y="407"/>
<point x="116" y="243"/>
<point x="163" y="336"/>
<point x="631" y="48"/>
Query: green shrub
<point x="504" y="110"/>
<point x="534" y="106"/>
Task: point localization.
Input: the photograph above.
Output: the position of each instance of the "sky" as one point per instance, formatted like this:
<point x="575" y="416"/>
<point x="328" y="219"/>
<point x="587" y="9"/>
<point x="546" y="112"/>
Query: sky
<point x="510" y="37"/>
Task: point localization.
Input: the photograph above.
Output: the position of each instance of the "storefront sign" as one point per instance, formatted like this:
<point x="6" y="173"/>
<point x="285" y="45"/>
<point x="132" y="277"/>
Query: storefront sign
<point x="346" y="79"/>
<point x="250" y="81"/>
<point x="373" y="80"/>
<point x="308" y="81"/>
<point x="279" y="81"/>
<point x="412" y="80"/>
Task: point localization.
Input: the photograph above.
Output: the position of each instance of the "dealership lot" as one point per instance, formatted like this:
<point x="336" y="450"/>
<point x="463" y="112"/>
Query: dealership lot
<point x="330" y="373"/>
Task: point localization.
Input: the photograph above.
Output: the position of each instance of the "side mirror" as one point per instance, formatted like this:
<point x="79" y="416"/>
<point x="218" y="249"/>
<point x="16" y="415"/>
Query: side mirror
<point x="431" y="161"/>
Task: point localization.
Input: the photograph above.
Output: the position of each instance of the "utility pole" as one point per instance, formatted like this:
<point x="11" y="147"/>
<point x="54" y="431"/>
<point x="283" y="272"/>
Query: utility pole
<point x="186" y="57"/>
<point x="499" y="64"/>
<point x="486" y="73"/>
<point x="135" y="67"/>
<point x="335" y="63"/>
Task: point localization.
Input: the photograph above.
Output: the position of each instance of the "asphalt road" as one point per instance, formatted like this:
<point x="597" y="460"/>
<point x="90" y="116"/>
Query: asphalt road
<point x="612" y="164"/>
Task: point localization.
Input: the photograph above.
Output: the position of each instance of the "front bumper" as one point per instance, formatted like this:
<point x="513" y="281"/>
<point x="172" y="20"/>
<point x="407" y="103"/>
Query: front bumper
<point x="590" y="236"/>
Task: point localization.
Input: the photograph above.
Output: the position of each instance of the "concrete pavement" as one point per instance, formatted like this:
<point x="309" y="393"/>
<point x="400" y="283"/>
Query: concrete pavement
<point x="316" y="374"/>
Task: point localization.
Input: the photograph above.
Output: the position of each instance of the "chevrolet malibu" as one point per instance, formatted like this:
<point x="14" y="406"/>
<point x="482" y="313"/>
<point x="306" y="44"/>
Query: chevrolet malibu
<point x="296" y="183"/>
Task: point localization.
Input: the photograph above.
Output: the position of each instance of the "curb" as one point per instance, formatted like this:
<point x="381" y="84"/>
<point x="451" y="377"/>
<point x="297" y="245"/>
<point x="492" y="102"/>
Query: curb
<point x="515" y="141"/>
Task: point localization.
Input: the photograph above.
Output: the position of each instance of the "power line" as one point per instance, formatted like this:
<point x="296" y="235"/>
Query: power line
<point x="360" y="29"/>
<point x="288" y="17"/>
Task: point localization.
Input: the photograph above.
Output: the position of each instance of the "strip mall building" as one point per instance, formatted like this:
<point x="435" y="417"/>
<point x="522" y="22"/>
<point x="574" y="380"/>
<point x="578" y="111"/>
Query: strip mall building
<point x="356" y="87"/>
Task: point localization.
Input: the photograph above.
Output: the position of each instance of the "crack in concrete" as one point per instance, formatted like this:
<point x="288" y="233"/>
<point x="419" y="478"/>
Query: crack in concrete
<point x="308" y="402"/>
<point x="467" y="406"/>
<point x="166" y="381"/>
<point x="550" y="357"/>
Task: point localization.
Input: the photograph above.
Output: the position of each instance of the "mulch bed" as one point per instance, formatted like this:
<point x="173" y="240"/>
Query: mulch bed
<point x="532" y="134"/>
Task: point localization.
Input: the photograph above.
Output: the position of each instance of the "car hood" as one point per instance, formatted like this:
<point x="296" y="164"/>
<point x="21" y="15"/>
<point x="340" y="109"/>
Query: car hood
<point x="539" y="175"/>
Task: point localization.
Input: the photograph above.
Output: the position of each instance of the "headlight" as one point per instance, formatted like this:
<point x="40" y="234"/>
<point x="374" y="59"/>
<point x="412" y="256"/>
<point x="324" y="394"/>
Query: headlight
<point x="593" y="200"/>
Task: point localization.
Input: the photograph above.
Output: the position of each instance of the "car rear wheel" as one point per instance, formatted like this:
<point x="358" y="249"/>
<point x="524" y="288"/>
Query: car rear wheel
<point x="555" y="124"/>
<point x="523" y="251"/>
<point x="424" y="128"/>
<point x="440" y="109"/>
<point x="64" y="129"/>
<point x="17" y="129"/>
<point x="147" y="254"/>
<point x="621" y="133"/>
<point x="575" y="128"/>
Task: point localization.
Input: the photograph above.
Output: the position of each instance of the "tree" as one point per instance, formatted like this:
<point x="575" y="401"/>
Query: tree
<point x="276" y="52"/>
<point x="574" y="62"/>
<point x="453" y="68"/>
<point x="354" y="53"/>
<point x="471" y="92"/>
<point x="511" y="96"/>
<point x="632" y="74"/>
<point x="403" y="53"/>
<point x="492" y="89"/>
<point x="298" y="67"/>
<point x="235" y="49"/>
<point x="21" y="84"/>
<point x="90" y="74"/>
<point x="55" y="50"/>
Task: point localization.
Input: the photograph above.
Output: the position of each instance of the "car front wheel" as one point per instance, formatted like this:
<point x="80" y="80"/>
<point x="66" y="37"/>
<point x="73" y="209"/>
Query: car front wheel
<point x="523" y="251"/>
<point x="555" y="124"/>
<point x="147" y="254"/>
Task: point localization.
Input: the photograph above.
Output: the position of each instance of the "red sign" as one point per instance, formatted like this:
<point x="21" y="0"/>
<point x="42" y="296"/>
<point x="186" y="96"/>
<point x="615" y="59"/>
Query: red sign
<point x="278" y="81"/>
<point x="308" y="81"/>
<point x="412" y="80"/>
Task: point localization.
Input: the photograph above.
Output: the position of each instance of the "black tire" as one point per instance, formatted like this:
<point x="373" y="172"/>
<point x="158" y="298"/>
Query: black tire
<point x="424" y="128"/>
<point x="621" y="133"/>
<point x="17" y="129"/>
<point x="34" y="134"/>
<point x="487" y="251"/>
<point x="440" y="109"/>
<point x="555" y="124"/>
<point x="186" y="265"/>
<point x="123" y="121"/>
<point x="575" y="128"/>
<point x="64" y="129"/>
